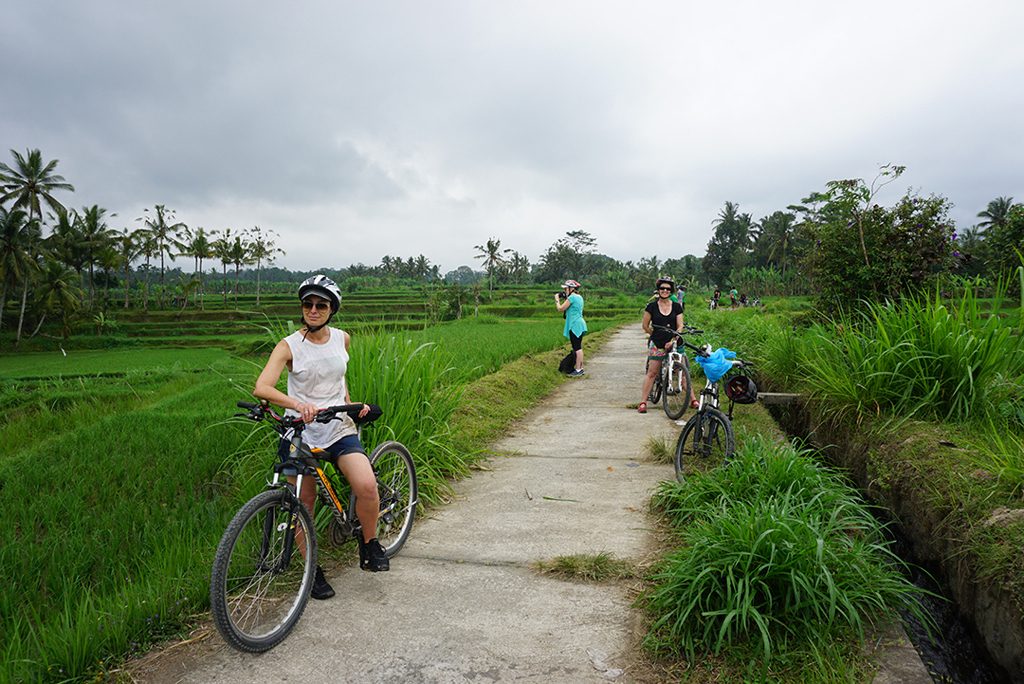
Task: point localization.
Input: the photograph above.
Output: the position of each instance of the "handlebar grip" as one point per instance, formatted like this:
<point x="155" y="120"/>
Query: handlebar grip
<point x="246" y="405"/>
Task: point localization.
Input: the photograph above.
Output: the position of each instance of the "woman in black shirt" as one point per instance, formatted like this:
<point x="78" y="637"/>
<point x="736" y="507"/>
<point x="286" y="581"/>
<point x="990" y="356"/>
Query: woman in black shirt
<point x="666" y="313"/>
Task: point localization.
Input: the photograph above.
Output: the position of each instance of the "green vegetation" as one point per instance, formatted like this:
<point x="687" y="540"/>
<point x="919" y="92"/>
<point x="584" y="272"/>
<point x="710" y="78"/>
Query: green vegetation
<point x="85" y="363"/>
<point x="134" y="467"/>
<point x="780" y="567"/>
<point x="600" y="567"/>
<point x="921" y="401"/>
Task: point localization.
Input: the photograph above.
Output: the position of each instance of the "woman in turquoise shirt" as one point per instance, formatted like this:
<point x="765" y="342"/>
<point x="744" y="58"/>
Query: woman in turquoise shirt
<point x="571" y="303"/>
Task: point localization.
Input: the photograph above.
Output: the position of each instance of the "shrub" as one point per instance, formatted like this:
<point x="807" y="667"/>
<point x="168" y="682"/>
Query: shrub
<point x="776" y="552"/>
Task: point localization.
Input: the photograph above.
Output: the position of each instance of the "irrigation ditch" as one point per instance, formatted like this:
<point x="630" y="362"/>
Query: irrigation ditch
<point x="979" y="621"/>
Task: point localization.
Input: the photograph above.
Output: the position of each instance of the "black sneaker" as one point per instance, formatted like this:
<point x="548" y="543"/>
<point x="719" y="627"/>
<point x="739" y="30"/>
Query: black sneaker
<point x="321" y="589"/>
<point x="372" y="557"/>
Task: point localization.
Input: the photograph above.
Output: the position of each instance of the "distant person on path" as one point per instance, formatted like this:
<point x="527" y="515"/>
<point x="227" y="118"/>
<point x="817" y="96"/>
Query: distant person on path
<point x="715" y="297"/>
<point x="570" y="302"/>
<point x="733" y="294"/>
<point x="668" y="314"/>
<point x="316" y="357"/>
<point x="681" y="297"/>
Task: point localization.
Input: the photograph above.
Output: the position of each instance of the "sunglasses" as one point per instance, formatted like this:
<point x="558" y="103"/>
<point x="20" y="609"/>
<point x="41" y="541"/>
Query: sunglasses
<point x="309" y="306"/>
<point x="666" y="289"/>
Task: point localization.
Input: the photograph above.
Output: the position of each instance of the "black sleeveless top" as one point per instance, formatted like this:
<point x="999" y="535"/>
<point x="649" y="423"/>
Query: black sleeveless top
<point x="660" y="337"/>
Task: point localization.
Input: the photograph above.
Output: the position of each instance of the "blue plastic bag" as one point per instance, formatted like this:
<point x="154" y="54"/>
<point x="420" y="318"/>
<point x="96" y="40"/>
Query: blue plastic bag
<point x="716" y="364"/>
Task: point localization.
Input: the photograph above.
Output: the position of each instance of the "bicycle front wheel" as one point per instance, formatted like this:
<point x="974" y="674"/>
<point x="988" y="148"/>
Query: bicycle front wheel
<point x="655" y="396"/>
<point x="705" y="443"/>
<point x="263" y="571"/>
<point x="399" y="494"/>
<point x="676" y="397"/>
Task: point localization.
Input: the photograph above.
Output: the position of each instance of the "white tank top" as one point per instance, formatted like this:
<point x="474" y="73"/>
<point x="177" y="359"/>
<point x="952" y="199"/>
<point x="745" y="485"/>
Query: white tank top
<point x="317" y="377"/>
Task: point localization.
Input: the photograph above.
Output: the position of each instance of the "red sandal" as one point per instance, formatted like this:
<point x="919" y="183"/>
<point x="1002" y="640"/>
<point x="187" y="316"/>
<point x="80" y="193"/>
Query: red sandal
<point x="641" y="407"/>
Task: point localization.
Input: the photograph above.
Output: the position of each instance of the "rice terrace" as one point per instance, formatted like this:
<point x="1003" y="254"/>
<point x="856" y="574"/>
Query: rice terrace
<point x="887" y="497"/>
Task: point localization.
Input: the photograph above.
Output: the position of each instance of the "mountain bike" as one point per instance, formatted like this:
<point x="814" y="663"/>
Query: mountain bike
<point x="672" y="385"/>
<point x="708" y="441"/>
<point x="264" y="566"/>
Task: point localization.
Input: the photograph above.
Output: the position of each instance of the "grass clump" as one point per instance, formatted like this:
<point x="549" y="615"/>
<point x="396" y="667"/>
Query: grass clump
<point x="599" y="567"/>
<point x="660" y="450"/>
<point x="779" y="562"/>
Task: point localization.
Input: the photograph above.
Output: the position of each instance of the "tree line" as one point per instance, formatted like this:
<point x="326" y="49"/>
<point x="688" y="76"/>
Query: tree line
<point x="837" y="244"/>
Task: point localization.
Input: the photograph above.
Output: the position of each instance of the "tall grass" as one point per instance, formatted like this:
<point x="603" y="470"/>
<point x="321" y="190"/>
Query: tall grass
<point x="122" y="518"/>
<point x="411" y="382"/>
<point x="779" y="559"/>
<point x="920" y="358"/>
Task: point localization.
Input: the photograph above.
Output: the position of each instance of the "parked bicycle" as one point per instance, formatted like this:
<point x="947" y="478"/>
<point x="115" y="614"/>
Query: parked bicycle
<point x="672" y="385"/>
<point x="264" y="566"/>
<point x="708" y="440"/>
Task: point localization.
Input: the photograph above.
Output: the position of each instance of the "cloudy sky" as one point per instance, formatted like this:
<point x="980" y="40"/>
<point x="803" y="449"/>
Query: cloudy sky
<point x="359" y="129"/>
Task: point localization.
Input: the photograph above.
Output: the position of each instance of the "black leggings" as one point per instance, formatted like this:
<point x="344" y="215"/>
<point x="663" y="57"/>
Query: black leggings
<point x="576" y="341"/>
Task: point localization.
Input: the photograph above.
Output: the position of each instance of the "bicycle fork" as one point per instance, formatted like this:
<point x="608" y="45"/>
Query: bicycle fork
<point x="272" y="526"/>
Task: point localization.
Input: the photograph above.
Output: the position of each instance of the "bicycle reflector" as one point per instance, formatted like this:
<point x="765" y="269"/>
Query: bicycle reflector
<point x="741" y="389"/>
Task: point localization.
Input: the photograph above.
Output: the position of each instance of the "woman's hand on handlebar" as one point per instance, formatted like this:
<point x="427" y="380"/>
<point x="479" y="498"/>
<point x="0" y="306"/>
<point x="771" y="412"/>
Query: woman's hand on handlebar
<point x="306" y="411"/>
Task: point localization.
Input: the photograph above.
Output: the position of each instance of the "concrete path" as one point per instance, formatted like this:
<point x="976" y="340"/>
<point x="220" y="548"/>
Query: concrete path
<point x="461" y="603"/>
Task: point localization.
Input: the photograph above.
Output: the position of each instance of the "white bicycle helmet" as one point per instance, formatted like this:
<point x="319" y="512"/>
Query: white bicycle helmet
<point x="321" y="286"/>
<point x="572" y="284"/>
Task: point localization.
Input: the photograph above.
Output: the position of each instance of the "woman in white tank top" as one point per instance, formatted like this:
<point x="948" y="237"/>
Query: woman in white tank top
<point x="316" y="358"/>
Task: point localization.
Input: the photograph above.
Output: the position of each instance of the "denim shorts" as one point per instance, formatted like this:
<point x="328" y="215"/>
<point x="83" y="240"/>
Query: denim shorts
<point x="349" y="444"/>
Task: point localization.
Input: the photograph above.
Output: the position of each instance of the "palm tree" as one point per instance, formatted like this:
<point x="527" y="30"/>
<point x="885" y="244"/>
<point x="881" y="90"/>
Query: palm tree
<point x="261" y="248"/>
<point x="31" y="183"/>
<point x="15" y="258"/>
<point x="95" y="236"/>
<point x="491" y="256"/>
<point x="165" y="235"/>
<point x="518" y="267"/>
<point x="128" y="245"/>
<point x="198" y="246"/>
<point x="20" y="247"/>
<point x="222" y="251"/>
<point x="996" y="213"/>
<point x="58" y="292"/>
<point x="109" y="259"/>
<point x="147" y="249"/>
<point x="241" y="255"/>
<point x="777" y="232"/>
<point x="66" y="242"/>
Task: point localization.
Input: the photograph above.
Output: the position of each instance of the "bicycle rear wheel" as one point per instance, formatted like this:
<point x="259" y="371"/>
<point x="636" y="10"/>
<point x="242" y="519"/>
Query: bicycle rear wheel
<point x="399" y="494"/>
<point x="705" y="443"/>
<point x="263" y="571"/>
<point x="676" y="397"/>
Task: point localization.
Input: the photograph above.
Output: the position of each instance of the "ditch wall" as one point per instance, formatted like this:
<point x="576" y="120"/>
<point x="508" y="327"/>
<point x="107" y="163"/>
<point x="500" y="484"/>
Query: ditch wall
<point x="890" y="478"/>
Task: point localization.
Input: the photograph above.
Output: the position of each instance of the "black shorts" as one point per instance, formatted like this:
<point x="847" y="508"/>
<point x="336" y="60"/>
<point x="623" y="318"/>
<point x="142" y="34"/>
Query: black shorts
<point x="576" y="341"/>
<point x="349" y="444"/>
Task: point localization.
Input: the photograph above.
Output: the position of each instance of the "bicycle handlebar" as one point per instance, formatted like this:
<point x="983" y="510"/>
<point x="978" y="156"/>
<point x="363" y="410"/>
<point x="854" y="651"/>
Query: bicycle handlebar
<point x="262" y="410"/>
<point x="704" y="351"/>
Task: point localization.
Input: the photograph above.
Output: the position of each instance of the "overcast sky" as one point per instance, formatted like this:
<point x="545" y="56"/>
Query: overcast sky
<point x="359" y="129"/>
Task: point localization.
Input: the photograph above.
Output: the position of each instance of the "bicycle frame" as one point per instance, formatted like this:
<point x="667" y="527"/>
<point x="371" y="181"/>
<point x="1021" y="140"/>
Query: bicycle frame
<point x="303" y="461"/>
